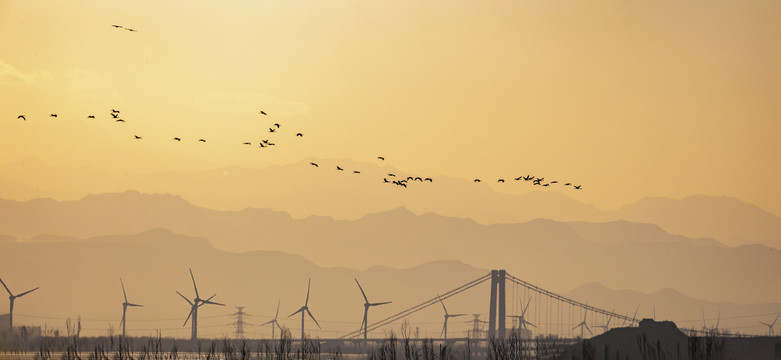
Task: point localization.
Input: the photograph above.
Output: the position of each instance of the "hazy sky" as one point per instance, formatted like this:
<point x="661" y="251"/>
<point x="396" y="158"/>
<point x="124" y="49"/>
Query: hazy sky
<point x="630" y="99"/>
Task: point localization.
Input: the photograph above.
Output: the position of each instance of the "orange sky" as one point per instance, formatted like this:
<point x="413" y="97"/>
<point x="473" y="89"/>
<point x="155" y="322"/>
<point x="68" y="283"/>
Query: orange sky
<point x="662" y="98"/>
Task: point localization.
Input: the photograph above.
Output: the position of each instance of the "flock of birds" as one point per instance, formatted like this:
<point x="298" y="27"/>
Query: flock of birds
<point x="389" y="178"/>
<point x="399" y="181"/>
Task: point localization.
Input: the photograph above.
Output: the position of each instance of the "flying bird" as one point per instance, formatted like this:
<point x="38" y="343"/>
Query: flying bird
<point x="247" y="143"/>
<point x="394" y="175"/>
<point x="21" y="117"/>
<point x="270" y="144"/>
<point x="120" y="120"/>
<point x="356" y="172"/>
<point x="500" y="180"/>
<point x="567" y="184"/>
<point x="90" y="116"/>
<point x="263" y="112"/>
<point x="314" y="164"/>
<point x="53" y="115"/>
<point x="381" y="158"/>
<point x="428" y="179"/>
<point x="385" y="180"/>
<point x="300" y="134"/>
<point x="137" y="137"/>
<point x="577" y="187"/>
<point x="202" y="140"/>
<point x="277" y="125"/>
<point x="129" y="29"/>
<point x="477" y="180"/>
<point x="261" y="145"/>
<point x="271" y="130"/>
<point x="177" y="139"/>
<point x="519" y="178"/>
<point x="338" y="168"/>
<point x="117" y="26"/>
<point x="115" y="111"/>
<point x="265" y="141"/>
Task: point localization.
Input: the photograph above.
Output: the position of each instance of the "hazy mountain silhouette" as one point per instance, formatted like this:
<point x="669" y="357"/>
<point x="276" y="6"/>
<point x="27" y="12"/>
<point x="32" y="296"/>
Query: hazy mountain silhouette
<point x="302" y="190"/>
<point x="732" y="221"/>
<point x="154" y="265"/>
<point x="555" y="254"/>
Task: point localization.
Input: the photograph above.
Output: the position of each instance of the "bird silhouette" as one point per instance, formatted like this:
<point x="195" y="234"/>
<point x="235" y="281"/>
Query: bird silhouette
<point x="115" y="111"/>
<point x="117" y="26"/>
<point x="202" y="140"/>
<point x="418" y="178"/>
<point x="271" y="130"/>
<point x="381" y="158"/>
<point x="53" y="115"/>
<point x="137" y="137"/>
<point x="129" y="29"/>
<point x="263" y="112"/>
<point x="394" y="175"/>
<point x="300" y="134"/>
<point x="500" y="180"/>
<point x="265" y="141"/>
<point x="338" y="168"/>
<point x="477" y="180"/>
<point x="385" y="180"/>
<point x="90" y="116"/>
<point x="567" y="184"/>
<point x="577" y="187"/>
<point x="356" y="172"/>
<point x="428" y="179"/>
<point x="277" y="125"/>
<point x="554" y="182"/>
<point x="519" y="178"/>
<point x="120" y="120"/>
<point x="545" y="184"/>
<point x="270" y="144"/>
<point x="21" y="117"/>
<point x="311" y="163"/>
<point x="410" y="178"/>
<point x="247" y="143"/>
<point x="177" y="139"/>
<point x="261" y="145"/>
<point x="115" y="115"/>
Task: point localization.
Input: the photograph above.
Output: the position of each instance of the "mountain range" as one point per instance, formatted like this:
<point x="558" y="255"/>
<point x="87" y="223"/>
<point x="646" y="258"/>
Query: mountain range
<point x="302" y="190"/>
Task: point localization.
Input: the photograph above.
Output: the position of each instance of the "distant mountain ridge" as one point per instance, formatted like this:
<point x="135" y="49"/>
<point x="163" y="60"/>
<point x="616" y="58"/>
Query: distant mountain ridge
<point x="559" y="254"/>
<point x="302" y="190"/>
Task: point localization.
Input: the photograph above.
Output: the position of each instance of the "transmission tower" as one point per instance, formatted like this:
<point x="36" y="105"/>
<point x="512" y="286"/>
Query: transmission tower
<point x="239" y="323"/>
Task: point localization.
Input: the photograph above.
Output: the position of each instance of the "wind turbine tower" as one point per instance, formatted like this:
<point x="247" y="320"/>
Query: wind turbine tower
<point x="304" y="310"/>
<point x="194" y="305"/>
<point x="11" y="298"/>
<point x="366" y="306"/>
<point x="770" y="330"/>
<point x="124" y="307"/>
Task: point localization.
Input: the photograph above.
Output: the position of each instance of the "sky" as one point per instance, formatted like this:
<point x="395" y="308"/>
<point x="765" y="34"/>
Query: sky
<point x="629" y="99"/>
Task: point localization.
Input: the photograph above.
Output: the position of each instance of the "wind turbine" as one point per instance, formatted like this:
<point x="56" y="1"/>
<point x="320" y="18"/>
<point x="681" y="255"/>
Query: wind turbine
<point x="770" y="330"/>
<point x="124" y="307"/>
<point x="521" y="320"/>
<point x="274" y="322"/>
<point x="305" y="309"/>
<point x="366" y="306"/>
<point x="607" y="324"/>
<point x="583" y="325"/>
<point x="11" y="298"/>
<point x="194" y="305"/>
<point x="447" y="316"/>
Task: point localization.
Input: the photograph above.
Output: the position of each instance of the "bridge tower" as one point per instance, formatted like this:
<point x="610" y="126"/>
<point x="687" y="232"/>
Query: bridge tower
<point x="497" y="310"/>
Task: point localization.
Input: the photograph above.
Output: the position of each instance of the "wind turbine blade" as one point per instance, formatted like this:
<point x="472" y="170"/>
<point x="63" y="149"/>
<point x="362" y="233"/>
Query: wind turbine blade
<point x="456" y="315"/>
<point x="26" y="292"/>
<point x="279" y="301"/>
<point x="195" y="287"/>
<point x="577" y="326"/>
<point x="718" y="320"/>
<point x="306" y="303"/>
<point x="211" y="302"/>
<point x="634" y="317"/>
<point x="589" y="330"/>
<point x="313" y="318"/>
<point x="188" y="317"/>
<point x="123" y="289"/>
<point x="129" y="304"/>
<point x="210" y="297"/>
<point x="774" y="321"/>
<point x="279" y="326"/>
<point x="185" y="299"/>
<point x="528" y="323"/>
<point x="380" y="303"/>
<point x="443" y="304"/>
<point x="526" y="307"/>
<point x="363" y="293"/>
<point x="6" y="287"/>
<point x="766" y="324"/>
<point x="297" y="311"/>
<point x="267" y="322"/>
